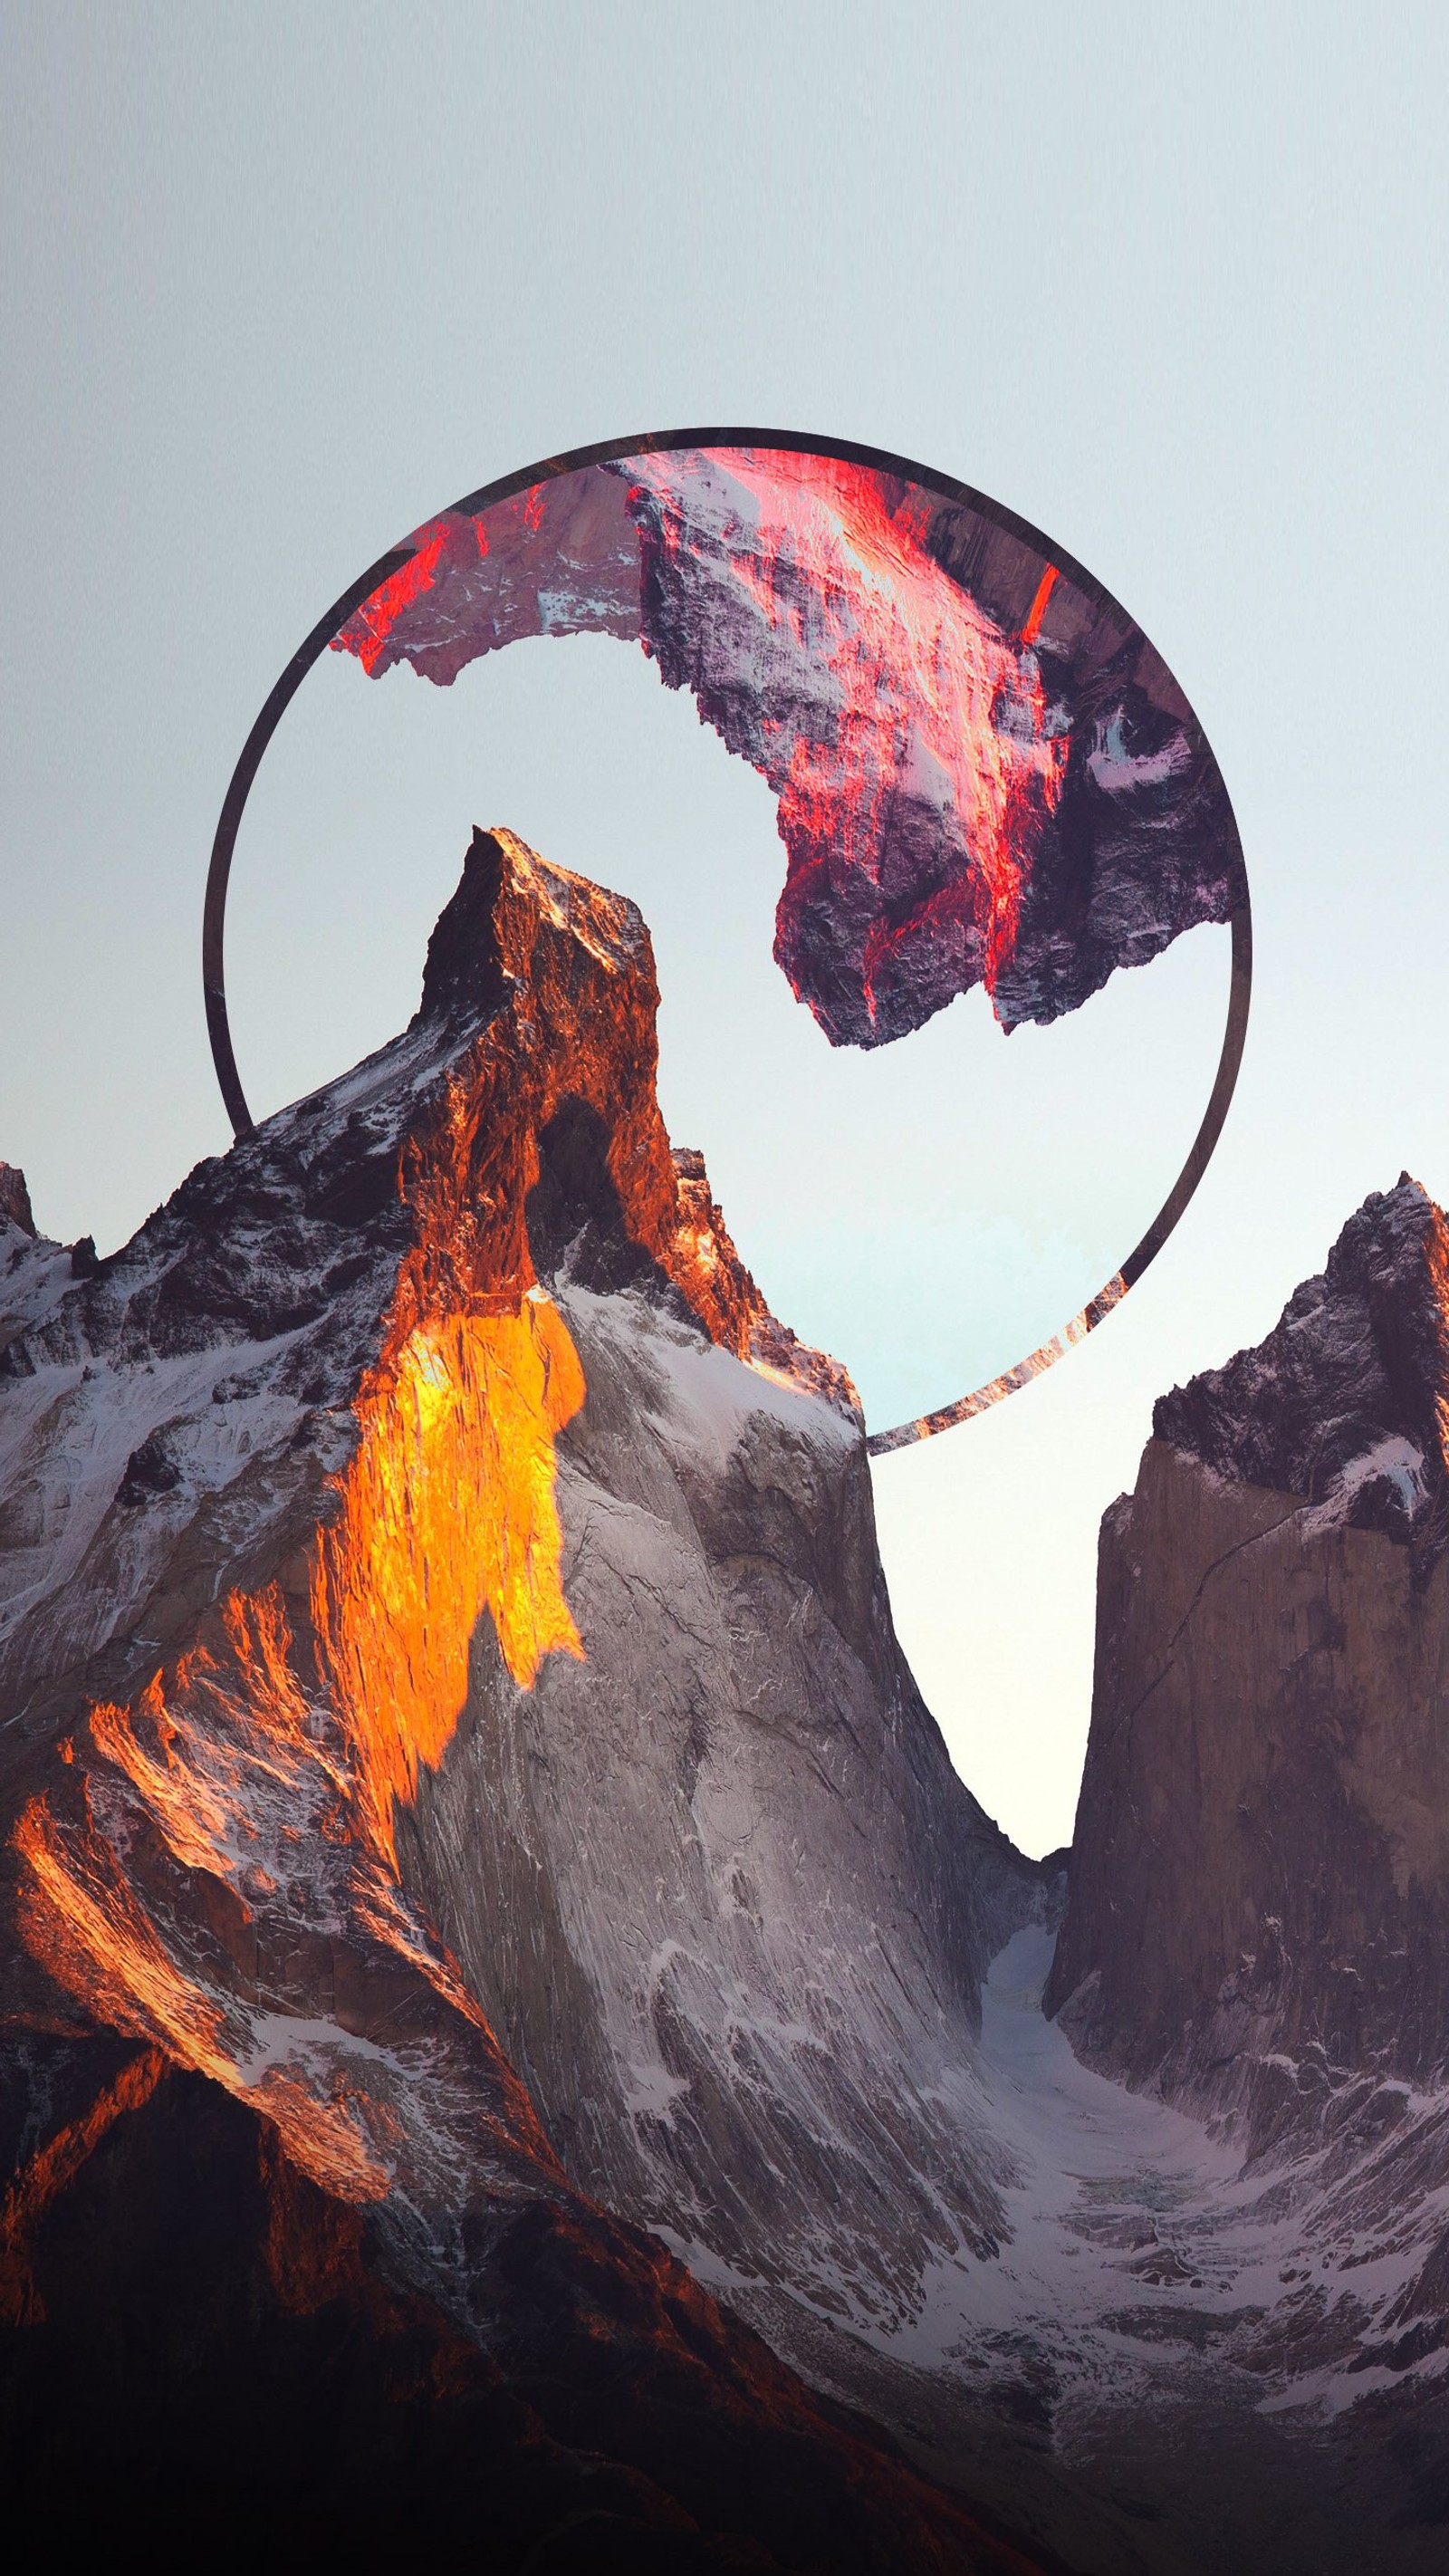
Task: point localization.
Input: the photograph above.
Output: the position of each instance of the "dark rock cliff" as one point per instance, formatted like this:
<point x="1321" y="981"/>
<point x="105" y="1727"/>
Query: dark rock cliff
<point x="1347" y="1400"/>
<point x="1259" y="1886"/>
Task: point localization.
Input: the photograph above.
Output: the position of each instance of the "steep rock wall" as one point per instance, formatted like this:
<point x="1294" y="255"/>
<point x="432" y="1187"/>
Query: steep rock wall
<point x="1259" y="1887"/>
<point x="718" y="1886"/>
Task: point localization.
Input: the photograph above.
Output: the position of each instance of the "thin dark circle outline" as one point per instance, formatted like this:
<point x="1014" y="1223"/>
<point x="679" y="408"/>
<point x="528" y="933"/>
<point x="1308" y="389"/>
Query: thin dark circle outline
<point x="794" y="442"/>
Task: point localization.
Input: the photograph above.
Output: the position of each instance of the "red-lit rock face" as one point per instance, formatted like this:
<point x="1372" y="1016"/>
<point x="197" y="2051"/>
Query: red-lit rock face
<point x="561" y="559"/>
<point x="905" y="736"/>
<point x="984" y="775"/>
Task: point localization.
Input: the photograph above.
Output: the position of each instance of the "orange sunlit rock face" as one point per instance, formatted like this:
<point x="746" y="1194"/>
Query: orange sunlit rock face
<point x="236" y="1757"/>
<point x="97" y="1915"/>
<point x="212" y="1869"/>
<point x="448" y="1511"/>
<point x="254" y="1781"/>
<point x="701" y="1259"/>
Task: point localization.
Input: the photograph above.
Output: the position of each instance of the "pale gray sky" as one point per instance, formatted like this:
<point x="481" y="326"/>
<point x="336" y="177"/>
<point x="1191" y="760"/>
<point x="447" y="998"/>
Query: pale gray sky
<point x="278" y="283"/>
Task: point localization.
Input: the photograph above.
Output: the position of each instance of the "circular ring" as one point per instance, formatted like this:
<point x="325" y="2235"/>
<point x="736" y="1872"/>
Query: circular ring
<point x="848" y="452"/>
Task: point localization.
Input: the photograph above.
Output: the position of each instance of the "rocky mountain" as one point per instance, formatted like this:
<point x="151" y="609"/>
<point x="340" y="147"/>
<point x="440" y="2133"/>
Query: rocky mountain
<point x="985" y="773"/>
<point x="1257" y="1926"/>
<point x="511" y="2024"/>
<point x="457" y="1771"/>
<point x="1262" y="1861"/>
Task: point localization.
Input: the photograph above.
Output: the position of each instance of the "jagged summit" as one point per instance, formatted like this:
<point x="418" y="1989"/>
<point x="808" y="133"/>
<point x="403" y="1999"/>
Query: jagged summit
<point x="278" y="1275"/>
<point x="463" y="972"/>
<point x="1346" y="1401"/>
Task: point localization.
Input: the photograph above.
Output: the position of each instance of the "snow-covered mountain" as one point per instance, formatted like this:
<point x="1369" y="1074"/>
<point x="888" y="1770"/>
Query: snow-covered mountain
<point x="1261" y="1864"/>
<point x="442" y="1391"/>
<point x="509" y="2013"/>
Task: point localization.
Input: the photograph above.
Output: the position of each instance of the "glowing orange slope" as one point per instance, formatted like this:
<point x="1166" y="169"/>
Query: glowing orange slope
<point x="209" y="1862"/>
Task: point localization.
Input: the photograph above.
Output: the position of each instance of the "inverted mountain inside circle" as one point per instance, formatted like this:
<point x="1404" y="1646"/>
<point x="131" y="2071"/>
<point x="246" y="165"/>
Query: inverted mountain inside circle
<point x="985" y="773"/>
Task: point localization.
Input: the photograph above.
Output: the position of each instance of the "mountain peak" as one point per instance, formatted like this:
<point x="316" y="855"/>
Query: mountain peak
<point x="1346" y="1401"/>
<point x="485" y="934"/>
<point x="446" y="1680"/>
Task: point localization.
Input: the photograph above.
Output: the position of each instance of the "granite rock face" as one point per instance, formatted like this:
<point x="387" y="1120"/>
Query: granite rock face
<point x="1261" y="1865"/>
<point x="288" y="1542"/>
<point x="1257" y="1923"/>
<point x="1261" y="1871"/>
<point x="985" y="773"/>
<point x="716" y="1886"/>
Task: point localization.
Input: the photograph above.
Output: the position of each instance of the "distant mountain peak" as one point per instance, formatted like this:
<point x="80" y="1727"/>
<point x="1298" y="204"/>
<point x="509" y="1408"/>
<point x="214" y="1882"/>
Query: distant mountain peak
<point x="1346" y="1401"/>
